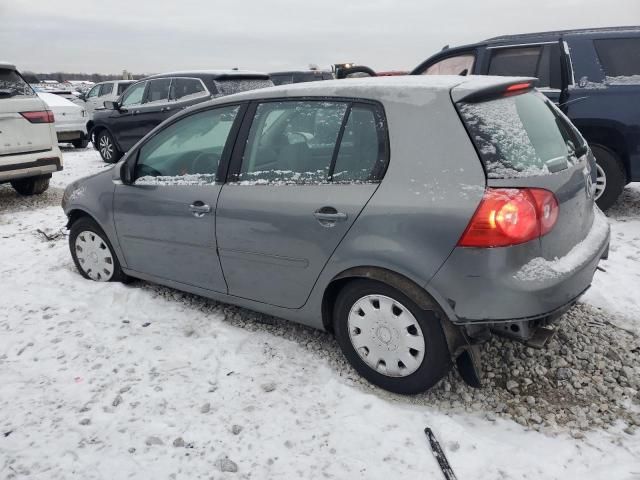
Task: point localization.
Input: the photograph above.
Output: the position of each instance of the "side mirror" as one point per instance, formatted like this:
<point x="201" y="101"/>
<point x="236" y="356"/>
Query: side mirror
<point x="126" y="172"/>
<point x="109" y="105"/>
<point x="82" y="97"/>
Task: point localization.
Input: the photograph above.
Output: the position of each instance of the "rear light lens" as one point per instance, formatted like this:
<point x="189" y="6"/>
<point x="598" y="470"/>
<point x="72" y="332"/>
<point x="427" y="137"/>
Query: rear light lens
<point x="42" y="116"/>
<point x="510" y="216"/>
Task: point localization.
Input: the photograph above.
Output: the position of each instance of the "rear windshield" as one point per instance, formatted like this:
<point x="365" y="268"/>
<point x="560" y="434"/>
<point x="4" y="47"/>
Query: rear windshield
<point x="237" y="85"/>
<point x="12" y="84"/>
<point x="522" y="135"/>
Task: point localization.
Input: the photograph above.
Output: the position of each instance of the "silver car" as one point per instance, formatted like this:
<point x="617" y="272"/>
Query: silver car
<point x="410" y="216"/>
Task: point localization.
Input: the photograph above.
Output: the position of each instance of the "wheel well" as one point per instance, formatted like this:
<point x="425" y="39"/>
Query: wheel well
<point x="75" y="215"/>
<point x="610" y="139"/>
<point x="388" y="277"/>
<point x="456" y="339"/>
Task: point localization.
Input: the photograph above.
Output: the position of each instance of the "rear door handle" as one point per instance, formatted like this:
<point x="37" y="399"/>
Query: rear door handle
<point x="328" y="216"/>
<point x="199" y="209"/>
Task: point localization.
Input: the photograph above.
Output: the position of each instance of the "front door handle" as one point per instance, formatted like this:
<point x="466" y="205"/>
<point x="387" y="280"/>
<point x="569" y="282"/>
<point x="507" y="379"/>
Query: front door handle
<point x="328" y="216"/>
<point x="199" y="209"/>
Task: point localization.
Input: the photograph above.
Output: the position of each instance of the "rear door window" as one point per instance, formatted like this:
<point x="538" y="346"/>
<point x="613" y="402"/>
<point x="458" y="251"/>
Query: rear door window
<point x="314" y="142"/>
<point x="122" y="87"/>
<point x="186" y="89"/>
<point x="158" y="90"/>
<point x="458" y="65"/>
<point x="522" y="135"/>
<point x="620" y="57"/>
<point x="12" y="84"/>
<point x="541" y="61"/>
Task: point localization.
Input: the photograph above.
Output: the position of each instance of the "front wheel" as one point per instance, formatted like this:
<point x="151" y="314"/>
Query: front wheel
<point x="388" y="339"/>
<point x="31" y="185"/>
<point x="93" y="254"/>
<point x="611" y="176"/>
<point x="107" y="147"/>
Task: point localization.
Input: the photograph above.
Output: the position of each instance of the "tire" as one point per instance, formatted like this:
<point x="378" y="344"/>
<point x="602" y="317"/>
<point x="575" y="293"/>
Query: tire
<point x="31" y="185"/>
<point x="420" y="370"/>
<point x="615" y="177"/>
<point x="107" y="147"/>
<point x="80" y="142"/>
<point x="85" y="231"/>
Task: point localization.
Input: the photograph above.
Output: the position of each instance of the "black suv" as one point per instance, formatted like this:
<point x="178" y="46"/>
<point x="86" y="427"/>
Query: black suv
<point x="149" y="102"/>
<point x="593" y="75"/>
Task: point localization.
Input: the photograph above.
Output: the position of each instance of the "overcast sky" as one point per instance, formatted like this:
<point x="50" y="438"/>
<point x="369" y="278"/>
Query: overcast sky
<point x="148" y="36"/>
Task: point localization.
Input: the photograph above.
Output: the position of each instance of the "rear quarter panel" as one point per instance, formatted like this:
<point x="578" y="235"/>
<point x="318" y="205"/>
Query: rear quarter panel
<point x="431" y="189"/>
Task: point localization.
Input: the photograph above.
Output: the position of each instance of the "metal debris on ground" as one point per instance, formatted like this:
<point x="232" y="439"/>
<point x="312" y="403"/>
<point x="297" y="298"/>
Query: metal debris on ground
<point x="438" y="453"/>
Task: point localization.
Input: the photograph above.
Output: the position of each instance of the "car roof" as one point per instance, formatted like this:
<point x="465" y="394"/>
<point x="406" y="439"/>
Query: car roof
<point x="212" y="74"/>
<point x="558" y="33"/>
<point x="7" y="66"/>
<point x="289" y="72"/>
<point x="397" y="88"/>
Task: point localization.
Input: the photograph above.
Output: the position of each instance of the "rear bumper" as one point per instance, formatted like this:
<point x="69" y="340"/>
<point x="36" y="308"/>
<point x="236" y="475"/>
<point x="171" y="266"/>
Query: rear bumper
<point x="13" y="167"/>
<point x="506" y="284"/>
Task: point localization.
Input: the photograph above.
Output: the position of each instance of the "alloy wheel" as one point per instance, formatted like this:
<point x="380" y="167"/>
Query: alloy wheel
<point x="386" y="335"/>
<point x="94" y="256"/>
<point x="601" y="181"/>
<point x="106" y="147"/>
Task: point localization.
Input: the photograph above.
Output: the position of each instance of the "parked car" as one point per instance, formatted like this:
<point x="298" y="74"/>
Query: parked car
<point x="70" y="120"/>
<point x="149" y="102"/>
<point x="29" y="150"/>
<point x="594" y="76"/>
<point x="103" y="92"/>
<point x="364" y="207"/>
<point x="300" y="76"/>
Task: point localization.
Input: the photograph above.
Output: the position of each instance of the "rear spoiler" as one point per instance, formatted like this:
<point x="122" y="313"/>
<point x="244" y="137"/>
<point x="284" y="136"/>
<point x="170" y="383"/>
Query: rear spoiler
<point x="474" y="91"/>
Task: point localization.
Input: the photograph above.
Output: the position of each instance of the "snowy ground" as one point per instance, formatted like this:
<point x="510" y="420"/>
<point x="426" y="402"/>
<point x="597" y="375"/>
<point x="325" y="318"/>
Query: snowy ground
<point x="141" y="381"/>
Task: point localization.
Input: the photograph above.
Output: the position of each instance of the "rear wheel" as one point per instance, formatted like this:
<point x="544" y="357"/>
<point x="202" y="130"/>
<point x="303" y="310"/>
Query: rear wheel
<point x="93" y="254"/>
<point x="388" y="339"/>
<point x="31" y="185"/>
<point x="611" y="177"/>
<point x="107" y="147"/>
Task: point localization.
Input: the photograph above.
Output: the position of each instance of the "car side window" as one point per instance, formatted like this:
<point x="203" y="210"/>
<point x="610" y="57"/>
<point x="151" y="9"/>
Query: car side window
<point x="362" y="154"/>
<point x="133" y="95"/>
<point x="106" y="89"/>
<point x="458" y="65"/>
<point x="519" y="61"/>
<point x="122" y="87"/>
<point x="292" y="142"/>
<point x="158" y="90"/>
<point x="314" y="142"/>
<point x="187" y="152"/>
<point x="186" y="89"/>
<point x="620" y="58"/>
<point x="94" y="91"/>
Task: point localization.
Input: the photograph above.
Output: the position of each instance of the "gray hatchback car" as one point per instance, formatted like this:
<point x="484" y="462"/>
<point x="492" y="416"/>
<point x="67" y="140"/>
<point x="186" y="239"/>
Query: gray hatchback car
<point x="410" y="216"/>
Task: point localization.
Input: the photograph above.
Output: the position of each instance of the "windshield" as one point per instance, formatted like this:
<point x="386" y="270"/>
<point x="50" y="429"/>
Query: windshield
<point x="12" y="84"/>
<point x="522" y="135"/>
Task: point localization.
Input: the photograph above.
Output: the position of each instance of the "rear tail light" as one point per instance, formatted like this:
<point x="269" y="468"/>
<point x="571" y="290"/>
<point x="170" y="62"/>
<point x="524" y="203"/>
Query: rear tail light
<point x="509" y="216"/>
<point x="42" y="116"/>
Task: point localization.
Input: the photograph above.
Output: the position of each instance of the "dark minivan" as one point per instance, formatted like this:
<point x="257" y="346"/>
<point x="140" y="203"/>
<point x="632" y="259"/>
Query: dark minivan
<point x="592" y="74"/>
<point x="149" y="102"/>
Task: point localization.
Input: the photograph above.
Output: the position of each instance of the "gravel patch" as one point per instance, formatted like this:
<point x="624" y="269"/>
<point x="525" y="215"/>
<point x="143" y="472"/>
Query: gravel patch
<point x="586" y="377"/>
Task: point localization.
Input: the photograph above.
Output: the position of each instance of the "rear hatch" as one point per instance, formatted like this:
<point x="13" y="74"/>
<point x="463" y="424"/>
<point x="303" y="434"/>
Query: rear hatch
<point x="523" y="140"/>
<point x="17" y="134"/>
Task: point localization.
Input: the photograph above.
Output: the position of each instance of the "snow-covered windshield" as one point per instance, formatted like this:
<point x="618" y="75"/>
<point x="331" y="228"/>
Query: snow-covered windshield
<point x="522" y="135"/>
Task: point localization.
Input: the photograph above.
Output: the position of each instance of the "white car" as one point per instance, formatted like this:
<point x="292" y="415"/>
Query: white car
<point x="29" y="150"/>
<point x="106" y="91"/>
<point x="71" y="120"/>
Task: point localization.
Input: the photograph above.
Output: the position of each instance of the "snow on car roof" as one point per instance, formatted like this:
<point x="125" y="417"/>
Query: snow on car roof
<point x="213" y="73"/>
<point x="7" y="65"/>
<point x="376" y="87"/>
